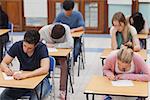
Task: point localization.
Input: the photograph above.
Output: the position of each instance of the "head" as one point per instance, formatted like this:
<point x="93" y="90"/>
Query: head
<point x="119" y="21"/>
<point x="31" y="39"/>
<point x="124" y="59"/>
<point x="68" y="6"/>
<point x="137" y="21"/>
<point x="58" y="31"/>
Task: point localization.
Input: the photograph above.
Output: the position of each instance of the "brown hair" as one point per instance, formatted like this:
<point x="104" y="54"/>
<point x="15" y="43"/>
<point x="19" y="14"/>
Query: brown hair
<point x="119" y="16"/>
<point x="125" y="55"/>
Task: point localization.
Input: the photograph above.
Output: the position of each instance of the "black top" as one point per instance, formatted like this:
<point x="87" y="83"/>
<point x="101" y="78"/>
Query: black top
<point x="28" y="63"/>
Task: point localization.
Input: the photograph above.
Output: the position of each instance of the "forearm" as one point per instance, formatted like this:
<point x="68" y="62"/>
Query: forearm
<point x="81" y="28"/>
<point x="113" y="42"/>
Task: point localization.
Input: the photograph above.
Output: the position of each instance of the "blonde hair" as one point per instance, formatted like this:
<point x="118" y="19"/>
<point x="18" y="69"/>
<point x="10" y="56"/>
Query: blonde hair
<point x="119" y="16"/>
<point x="125" y="55"/>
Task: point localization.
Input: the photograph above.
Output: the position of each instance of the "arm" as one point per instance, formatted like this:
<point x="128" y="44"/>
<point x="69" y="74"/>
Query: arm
<point x="81" y="28"/>
<point x="44" y="63"/>
<point x="113" y="38"/>
<point x="136" y="43"/>
<point x="146" y="28"/>
<point x="4" y="65"/>
<point x="108" y="67"/>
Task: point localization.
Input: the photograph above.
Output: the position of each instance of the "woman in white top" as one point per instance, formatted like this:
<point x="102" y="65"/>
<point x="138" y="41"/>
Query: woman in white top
<point x="123" y="33"/>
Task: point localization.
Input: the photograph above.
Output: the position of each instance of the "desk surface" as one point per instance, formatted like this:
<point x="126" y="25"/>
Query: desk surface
<point x="29" y="83"/>
<point x="102" y="86"/>
<point x="142" y="36"/>
<point x="60" y="53"/>
<point x="3" y="31"/>
<point x="77" y="34"/>
<point x="107" y="51"/>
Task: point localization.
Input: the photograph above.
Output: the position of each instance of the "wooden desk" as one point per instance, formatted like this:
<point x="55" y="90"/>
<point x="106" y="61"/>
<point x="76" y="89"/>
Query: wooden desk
<point x="60" y="53"/>
<point x="100" y="85"/>
<point x="65" y="54"/>
<point x="107" y="51"/>
<point x="3" y="31"/>
<point x="77" y="34"/>
<point x="142" y="36"/>
<point x="28" y="83"/>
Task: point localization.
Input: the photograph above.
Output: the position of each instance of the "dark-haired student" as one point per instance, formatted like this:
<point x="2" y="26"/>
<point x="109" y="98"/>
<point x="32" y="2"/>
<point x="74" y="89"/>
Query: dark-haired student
<point x="58" y="35"/>
<point x="3" y="25"/>
<point x="27" y="51"/>
<point x="74" y="20"/>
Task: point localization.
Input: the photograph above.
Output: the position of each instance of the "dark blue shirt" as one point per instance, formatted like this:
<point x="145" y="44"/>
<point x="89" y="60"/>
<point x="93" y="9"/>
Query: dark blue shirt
<point x="28" y="63"/>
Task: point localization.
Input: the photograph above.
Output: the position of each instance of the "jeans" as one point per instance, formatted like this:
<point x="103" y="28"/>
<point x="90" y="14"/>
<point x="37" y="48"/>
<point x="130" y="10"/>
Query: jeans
<point x="77" y="48"/>
<point x="16" y="93"/>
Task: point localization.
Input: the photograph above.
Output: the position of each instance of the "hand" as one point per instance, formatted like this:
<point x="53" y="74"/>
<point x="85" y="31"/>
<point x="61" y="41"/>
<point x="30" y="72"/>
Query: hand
<point x="129" y="44"/>
<point x="112" y="77"/>
<point x="50" y="45"/>
<point x="19" y="75"/>
<point x="9" y="72"/>
<point x="72" y="30"/>
<point x="119" y="77"/>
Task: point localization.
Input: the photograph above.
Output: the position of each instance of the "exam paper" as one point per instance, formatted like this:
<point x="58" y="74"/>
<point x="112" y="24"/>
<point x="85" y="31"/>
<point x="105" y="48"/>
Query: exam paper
<point x="122" y="83"/>
<point x="6" y="77"/>
<point x="52" y="50"/>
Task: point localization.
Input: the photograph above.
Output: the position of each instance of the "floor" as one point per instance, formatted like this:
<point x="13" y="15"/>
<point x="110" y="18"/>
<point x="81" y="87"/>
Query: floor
<point x="94" y="45"/>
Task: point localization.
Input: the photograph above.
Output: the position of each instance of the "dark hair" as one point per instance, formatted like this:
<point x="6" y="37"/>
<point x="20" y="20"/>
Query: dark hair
<point x="119" y="16"/>
<point x="32" y="37"/>
<point x="138" y="21"/>
<point x="68" y="4"/>
<point x="57" y="31"/>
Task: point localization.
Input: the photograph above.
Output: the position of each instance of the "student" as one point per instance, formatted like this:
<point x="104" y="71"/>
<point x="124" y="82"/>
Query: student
<point x="3" y="25"/>
<point x="74" y="20"/>
<point x="58" y="35"/>
<point x="27" y="51"/>
<point x="139" y="23"/>
<point x="123" y="33"/>
<point x="126" y="65"/>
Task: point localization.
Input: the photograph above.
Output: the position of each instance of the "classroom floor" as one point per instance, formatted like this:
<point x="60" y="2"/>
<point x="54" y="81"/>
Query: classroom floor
<point x="94" y="45"/>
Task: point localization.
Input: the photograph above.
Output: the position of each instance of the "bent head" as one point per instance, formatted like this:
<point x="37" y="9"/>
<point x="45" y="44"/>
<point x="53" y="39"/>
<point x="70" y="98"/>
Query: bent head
<point x="68" y="6"/>
<point x="119" y="21"/>
<point x="124" y="59"/>
<point x="31" y="39"/>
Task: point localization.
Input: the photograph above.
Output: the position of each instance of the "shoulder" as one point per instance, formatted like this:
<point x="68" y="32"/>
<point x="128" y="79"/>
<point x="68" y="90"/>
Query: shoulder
<point x="113" y="30"/>
<point x="60" y="14"/>
<point x="112" y="56"/>
<point x="76" y="13"/>
<point x="65" y="26"/>
<point x="132" y="30"/>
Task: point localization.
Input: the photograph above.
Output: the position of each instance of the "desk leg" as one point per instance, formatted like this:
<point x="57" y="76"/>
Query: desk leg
<point x="41" y="90"/>
<point x="87" y="96"/>
<point x="93" y="97"/>
<point x="102" y="61"/>
<point x="36" y="94"/>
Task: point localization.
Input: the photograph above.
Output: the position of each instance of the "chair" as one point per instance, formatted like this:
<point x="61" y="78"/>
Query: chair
<point x="10" y="42"/>
<point x="51" y="78"/>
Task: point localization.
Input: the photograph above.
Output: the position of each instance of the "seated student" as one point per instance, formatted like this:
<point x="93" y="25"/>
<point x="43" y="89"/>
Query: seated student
<point x="74" y="20"/>
<point x="3" y="25"/>
<point x="27" y="51"/>
<point x="123" y="33"/>
<point x="140" y="25"/>
<point x="59" y="36"/>
<point x="125" y="64"/>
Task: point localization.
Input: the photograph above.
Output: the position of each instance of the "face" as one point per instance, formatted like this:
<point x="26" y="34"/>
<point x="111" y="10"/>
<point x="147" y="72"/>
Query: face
<point x="118" y="25"/>
<point x="123" y="66"/>
<point x="68" y="12"/>
<point x="28" y="48"/>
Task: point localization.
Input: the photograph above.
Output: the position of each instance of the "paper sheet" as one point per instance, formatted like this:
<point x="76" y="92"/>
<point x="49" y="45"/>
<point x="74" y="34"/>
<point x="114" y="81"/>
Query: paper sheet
<point x="52" y="50"/>
<point x="122" y="83"/>
<point x="6" y="77"/>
